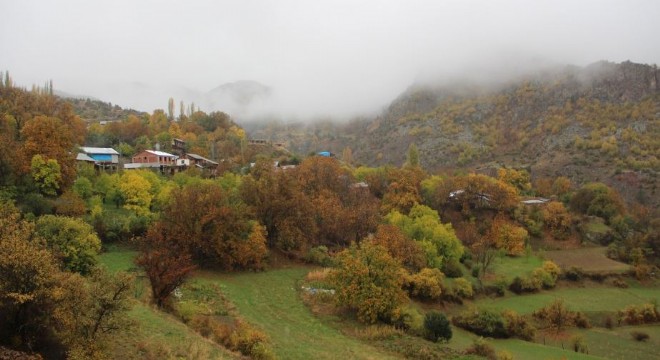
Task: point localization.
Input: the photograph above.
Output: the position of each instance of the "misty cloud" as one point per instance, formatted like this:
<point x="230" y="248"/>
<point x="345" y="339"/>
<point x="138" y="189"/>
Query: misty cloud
<point x="319" y="58"/>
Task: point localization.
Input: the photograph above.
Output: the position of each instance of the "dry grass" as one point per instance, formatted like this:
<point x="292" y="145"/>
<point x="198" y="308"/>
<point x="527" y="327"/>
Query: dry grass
<point x="317" y="275"/>
<point x="590" y="260"/>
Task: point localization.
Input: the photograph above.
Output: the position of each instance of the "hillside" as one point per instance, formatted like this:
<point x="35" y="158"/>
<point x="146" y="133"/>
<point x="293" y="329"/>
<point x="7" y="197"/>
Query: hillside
<point x="597" y="123"/>
<point x="91" y="110"/>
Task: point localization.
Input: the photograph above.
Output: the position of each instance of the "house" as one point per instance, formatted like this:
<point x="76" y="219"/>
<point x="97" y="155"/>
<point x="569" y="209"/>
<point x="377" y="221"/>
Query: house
<point x="105" y="158"/>
<point x="201" y="162"/>
<point x="152" y="159"/>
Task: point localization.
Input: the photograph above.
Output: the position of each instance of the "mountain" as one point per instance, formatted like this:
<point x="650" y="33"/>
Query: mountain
<point x="595" y="123"/>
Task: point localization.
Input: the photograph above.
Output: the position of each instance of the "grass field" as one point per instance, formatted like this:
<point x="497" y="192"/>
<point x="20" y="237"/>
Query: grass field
<point x="509" y="267"/>
<point x="577" y="299"/>
<point x="588" y="259"/>
<point x="270" y="301"/>
<point x="617" y="343"/>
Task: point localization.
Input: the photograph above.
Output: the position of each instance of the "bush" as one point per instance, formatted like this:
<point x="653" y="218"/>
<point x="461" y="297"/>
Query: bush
<point x="518" y="326"/>
<point x="437" y="327"/>
<point x="410" y="320"/>
<point x="452" y="268"/>
<point x="482" y="348"/>
<point x="574" y="274"/>
<point x="482" y="322"/>
<point x="639" y="314"/>
<point x="462" y="288"/>
<point x="319" y="255"/>
<point x="581" y="320"/>
<point x="639" y="335"/>
<point x="609" y="323"/>
<point x="426" y="284"/>
<point x="521" y="285"/>
<point x="579" y="345"/>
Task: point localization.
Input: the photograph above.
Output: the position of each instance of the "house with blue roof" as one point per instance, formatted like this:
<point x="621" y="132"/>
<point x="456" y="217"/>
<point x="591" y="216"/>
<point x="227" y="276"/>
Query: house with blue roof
<point x="106" y="158"/>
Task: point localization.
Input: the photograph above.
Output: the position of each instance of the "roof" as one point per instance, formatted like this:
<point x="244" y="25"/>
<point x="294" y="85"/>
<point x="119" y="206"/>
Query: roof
<point x="199" y="157"/>
<point x="98" y="150"/>
<point x="160" y="153"/>
<point x="535" y="201"/>
<point x="84" y="157"/>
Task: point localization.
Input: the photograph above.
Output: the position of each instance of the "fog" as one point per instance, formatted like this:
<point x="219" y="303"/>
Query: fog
<point x="313" y="58"/>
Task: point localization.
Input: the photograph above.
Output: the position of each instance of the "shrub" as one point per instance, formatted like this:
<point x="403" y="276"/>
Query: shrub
<point x="521" y="285"/>
<point x="579" y="345"/>
<point x="462" y="288"/>
<point x="378" y="332"/>
<point x="639" y="314"/>
<point x="482" y="322"/>
<point x="609" y="323"/>
<point x="409" y="319"/>
<point x="581" y="320"/>
<point x="481" y="348"/>
<point x="437" y="327"/>
<point x="574" y="274"/>
<point x="426" y="284"/>
<point x="452" y="268"/>
<point x="639" y="335"/>
<point x="620" y="283"/>
<point x="518" y="326"/>
<point x="319" y="255"/>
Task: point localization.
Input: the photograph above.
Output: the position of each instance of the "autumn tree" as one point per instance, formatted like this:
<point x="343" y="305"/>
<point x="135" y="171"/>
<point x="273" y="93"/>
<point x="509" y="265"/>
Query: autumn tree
<point x="28" y="277"/>
<point x="557" y="219"/>
<point x="403" y="189"/>
<point x="52" y="138"/>
<point x="407" y="251"/>
<point x="135" y="190"/>
<point x="556" y="315"/>
<point x="166" y="261"/>
<point x="507" y="236"/>
<point x="215" y="226"/>
<point x="519" y="179"/>
<point x="367" y="280"/>
<point x="412" y="159"/>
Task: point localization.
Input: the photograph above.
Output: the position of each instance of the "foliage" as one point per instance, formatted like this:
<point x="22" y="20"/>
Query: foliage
<point x="639" y="335"/>
<point x="426" y="284"/>
<point x="83" y="187"/>
<point x="639" y="314"/>
<point x="508" y="236"/>
<point x="46" y="174"/>
<point x="423" y="225"/>
<point x="319" y="255"/>
<point x="437" y="327"/>
<point x="452" y="268"/>
<point x="407" y="251"/>
<point x="462" y="288"/>
<point x="482" y="322"/>
<point x="599" y="200"/>
<point x="557" y="219"/>
<point x="367" y="280"/>
<point x="556" y="315"/>
<point x="165" y="261"/>
<point x="70" y="204"/>
<point x="135" y="190"/>
<point x="73" y="242"/>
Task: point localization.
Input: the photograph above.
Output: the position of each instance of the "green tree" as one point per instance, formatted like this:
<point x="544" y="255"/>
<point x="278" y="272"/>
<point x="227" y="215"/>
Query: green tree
<point x="367" y="280"/>
<point x="83" y="187"/>
<point x="73" y="241"/>
<point x="423" y="224"/>
<point x="437" y="327"/>
<point x="46" y="174"/>
<point x="413" y="156"/>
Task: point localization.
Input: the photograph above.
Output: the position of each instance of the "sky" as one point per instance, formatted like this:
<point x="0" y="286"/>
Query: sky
<point x="319" y="58"/>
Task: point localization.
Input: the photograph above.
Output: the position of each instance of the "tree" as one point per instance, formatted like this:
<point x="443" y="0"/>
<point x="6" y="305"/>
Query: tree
<point x="46" y="174"/>
<point x="166" y="262"/>
<point x="367" y="280"/>
<point x="413" y="156"/>
<point x="517" y="178"/>
<point x="407" y="251"/>
<point x="215" y="226"/>
<point x="423" y="225"/>
<point x="557" y="219"/>
<point x="135" y="190"/>
<point x="556" y="314"/>
<point x="70" y="204"/>
<point x="507" y="236"/>
<point x="599" y="200"/>
<point x="28" y="277"/>
<point x="170" y="109"/>
<point x="437" y="326"/>
<point x="83" y="187"/>
<point x="73" y="241"/>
